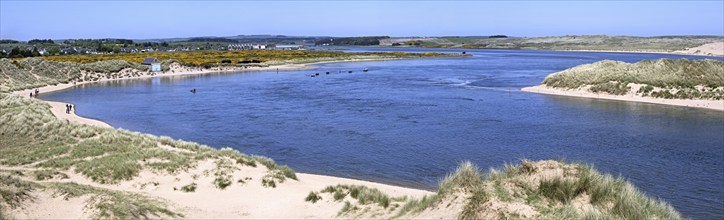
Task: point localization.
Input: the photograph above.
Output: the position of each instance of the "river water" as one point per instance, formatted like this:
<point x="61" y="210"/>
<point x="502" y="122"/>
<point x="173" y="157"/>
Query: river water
<point x="410" y="122"/>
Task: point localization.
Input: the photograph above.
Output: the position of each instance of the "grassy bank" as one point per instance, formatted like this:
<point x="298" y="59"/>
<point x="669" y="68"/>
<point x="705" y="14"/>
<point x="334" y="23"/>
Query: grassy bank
<point x="663" y="78"/>
<point x="530" y="190"/>
<point x="37" y="146"/>
<point x="585" y="42"/>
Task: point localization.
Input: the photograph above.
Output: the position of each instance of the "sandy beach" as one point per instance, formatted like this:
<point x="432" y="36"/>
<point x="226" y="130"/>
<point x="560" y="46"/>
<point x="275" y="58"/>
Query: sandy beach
<point x="711" y="49"/>
<point x="705" y="104"/>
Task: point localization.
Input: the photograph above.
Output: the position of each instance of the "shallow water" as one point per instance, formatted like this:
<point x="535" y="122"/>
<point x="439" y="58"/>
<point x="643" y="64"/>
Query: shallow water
<point x="410" y="122"/>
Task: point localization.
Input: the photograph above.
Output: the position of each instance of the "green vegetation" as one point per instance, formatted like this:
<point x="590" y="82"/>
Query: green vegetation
<point x="589" y="42"/>
<point x="8" y="41"/>
<point x="34" y="138"/>
<point x="313" y="197"/>
<point x="189" y="188"/>
<point x="103" y="154"/>
<point x="13" y="191"/>
<point x="109" y="204"/>
<point x="663" y="78"/>
<point x="106" y="203"/>
<point x="41" y="175"/>
<point x="549" y="189"/>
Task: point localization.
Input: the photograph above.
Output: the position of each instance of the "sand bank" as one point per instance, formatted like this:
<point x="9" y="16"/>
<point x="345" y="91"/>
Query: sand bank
<point x="712" y="49"/>
<point x="694" y="103"/>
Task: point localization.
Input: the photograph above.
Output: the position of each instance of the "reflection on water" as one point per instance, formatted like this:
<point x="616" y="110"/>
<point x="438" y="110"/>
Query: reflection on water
<point x="409" y="122"/>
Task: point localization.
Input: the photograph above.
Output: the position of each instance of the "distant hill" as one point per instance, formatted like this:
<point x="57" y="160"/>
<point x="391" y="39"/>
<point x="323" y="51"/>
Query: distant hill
<point x="665" y="44"/>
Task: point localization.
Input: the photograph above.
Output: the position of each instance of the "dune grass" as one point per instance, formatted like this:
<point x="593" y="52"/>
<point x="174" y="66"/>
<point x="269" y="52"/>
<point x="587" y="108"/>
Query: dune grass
<point x="552" y="195"/>
<point x="14" y="191"/>
<point x="34" y="138"/>
<point x="103" y="154"/>
<point x="663" y="78"/>
<point x="573" y="42"/>
<point x="111" y="204"/>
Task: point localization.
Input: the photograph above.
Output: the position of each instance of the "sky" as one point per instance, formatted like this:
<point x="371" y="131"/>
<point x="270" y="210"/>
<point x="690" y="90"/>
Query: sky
<point x="25" y="20"/>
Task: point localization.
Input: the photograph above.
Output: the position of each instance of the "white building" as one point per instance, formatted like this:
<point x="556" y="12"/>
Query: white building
<point x="153" y="63"/>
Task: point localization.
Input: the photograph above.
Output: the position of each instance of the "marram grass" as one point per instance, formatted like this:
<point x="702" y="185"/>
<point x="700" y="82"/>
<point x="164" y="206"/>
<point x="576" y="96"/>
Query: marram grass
<point x="32" y="136"/>
<point x="551" y="196"/>
<point x="671" y="78"/>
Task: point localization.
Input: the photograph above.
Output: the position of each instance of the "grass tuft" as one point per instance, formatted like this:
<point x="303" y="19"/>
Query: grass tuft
<point x="466" y="178"/>
<point x="313" y="197"/>
<point x="189" y="188"/>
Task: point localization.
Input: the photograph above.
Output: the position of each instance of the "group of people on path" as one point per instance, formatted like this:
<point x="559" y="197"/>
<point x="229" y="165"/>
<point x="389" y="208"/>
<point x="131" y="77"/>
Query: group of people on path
<point x="34" y="93"/>
<point x="68" y="108"/>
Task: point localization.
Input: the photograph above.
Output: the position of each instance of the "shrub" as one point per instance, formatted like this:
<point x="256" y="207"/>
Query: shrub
<point x="313" y="197"/>
<point x="189" y="188"/>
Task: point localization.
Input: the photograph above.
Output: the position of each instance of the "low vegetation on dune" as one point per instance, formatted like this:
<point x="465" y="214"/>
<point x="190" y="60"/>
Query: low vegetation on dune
<point x="663" y="78"/>
<point x="38" y="151"/>
<point x="585" y="42"/>
<point x="37" y="72"/>
<point x="530" y="190"/>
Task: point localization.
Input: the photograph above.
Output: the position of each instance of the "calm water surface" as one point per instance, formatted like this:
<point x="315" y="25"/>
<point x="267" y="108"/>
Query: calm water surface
<point x="410" y="122"/>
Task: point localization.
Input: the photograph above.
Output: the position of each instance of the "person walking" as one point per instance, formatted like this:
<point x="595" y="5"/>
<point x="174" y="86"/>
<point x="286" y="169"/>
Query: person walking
<point x="67" y="108"/>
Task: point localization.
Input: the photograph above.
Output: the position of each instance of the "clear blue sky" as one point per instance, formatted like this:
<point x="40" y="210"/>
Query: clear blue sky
<point x="24" y="20"/>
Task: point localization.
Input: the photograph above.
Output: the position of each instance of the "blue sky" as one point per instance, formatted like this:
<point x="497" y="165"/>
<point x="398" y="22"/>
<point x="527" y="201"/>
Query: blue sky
<point x="24" y="20"/>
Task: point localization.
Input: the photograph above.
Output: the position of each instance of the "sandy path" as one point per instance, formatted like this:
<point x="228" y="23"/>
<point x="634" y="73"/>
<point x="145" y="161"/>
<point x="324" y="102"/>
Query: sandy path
<point x="706" y="104"/>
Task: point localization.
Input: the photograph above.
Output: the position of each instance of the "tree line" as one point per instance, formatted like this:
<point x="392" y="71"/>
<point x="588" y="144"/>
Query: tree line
<point x="16" y="52"/>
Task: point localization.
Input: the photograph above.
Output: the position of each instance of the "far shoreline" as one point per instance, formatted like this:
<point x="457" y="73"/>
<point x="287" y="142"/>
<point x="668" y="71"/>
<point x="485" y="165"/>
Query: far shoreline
<point x="717" y="105"/>
<point x="58" y="108"/>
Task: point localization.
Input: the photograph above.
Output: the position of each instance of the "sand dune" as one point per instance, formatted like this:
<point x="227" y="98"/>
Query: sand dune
<point x="711" y="49"/>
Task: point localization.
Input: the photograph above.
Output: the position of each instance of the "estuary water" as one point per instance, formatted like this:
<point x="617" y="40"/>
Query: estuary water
<point x="410" y="122"/>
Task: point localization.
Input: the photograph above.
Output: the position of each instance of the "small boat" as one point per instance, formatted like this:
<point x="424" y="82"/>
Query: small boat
<point x="327" y="73"/>
<point x="316" y="74"/>
<point x="365" y="70"/>
<point x="350" y="71"/>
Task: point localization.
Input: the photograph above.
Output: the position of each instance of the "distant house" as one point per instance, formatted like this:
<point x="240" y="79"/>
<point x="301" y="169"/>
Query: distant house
<point x="153" y="63"/>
